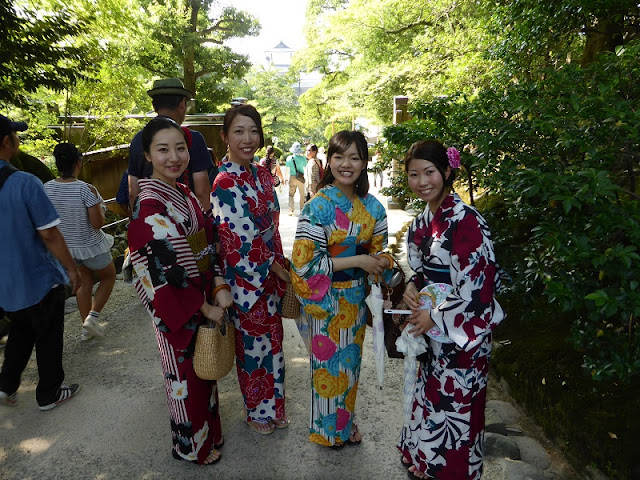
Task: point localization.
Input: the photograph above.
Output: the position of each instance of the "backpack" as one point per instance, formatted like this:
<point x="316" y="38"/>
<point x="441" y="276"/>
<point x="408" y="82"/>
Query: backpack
<point x="5" y="172"/>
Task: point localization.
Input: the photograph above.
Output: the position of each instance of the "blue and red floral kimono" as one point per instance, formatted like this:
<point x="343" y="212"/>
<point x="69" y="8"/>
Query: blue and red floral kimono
<point x="245" y="208"/>
<point x="173" y="283"/>
<point x="445" y="435"/>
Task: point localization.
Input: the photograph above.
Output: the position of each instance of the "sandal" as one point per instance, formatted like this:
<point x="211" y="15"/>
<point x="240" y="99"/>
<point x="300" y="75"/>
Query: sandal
<point x="281" y="422"/>
<point x="406" y="464"/>
<point x="177" y="456"/>
<point x="353" y="438"/>
<point x="258" y="425"/>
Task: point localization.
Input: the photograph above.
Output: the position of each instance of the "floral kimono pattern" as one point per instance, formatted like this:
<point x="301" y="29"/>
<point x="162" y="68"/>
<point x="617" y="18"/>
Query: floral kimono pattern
<point x="172" y="289"/>
<point x="244" y="205"/>
<point x="333" y="302"/>
<point x="445" y="435"/>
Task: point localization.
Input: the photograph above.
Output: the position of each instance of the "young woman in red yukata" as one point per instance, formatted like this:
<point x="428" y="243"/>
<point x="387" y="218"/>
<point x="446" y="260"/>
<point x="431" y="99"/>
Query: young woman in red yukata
<point x="173" y="247"/>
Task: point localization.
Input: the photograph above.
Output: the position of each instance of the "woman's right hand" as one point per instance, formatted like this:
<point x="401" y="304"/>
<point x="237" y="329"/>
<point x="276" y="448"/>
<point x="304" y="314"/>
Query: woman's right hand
<point x="215" y="314"/>
<point x="411" y="296"/>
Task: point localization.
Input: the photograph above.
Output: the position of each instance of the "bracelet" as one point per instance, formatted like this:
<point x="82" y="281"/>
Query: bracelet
<point x="388" y="257"/>
<point x="222" y="286"/>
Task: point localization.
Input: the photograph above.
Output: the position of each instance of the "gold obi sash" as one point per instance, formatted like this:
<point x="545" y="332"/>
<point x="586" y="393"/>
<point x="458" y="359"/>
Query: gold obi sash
<point x="201" y="250"/>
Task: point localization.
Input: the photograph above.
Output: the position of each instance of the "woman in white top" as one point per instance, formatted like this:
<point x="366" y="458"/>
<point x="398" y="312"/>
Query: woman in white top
<point x="82" y="214"/>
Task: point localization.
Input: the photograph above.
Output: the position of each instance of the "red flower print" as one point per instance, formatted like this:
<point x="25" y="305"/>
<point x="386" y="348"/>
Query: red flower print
<point x="259" y="386"/>
<point x="432" y="390"/>
<point x="231" y="244"/>
<point x="225" y="182"/>
<point x="258" y="253"/>
<point x="448" y="385"/>
<point x="468" y="239"/>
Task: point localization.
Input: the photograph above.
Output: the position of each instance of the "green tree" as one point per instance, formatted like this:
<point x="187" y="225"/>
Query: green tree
<point x="37" y="49"/>
<point x="185" y="38"/>
<point x="275" y="98"/>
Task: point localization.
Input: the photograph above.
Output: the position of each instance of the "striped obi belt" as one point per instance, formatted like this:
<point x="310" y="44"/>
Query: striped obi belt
<point x="201" y="250"/>
<point x="351" y="277"/>
<point x="264" y="224"/>
<point x="436" y="273"/>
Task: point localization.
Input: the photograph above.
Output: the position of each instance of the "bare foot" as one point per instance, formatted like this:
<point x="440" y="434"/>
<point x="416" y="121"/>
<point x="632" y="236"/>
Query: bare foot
<point x="356" y="437"/>
<point x="417" y="472"/>
<point x="213" y="457"/>
<point x="281" y="422"/>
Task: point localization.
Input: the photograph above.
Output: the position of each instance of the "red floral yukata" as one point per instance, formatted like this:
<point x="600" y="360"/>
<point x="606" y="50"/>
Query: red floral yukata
<point x="244" y="207"/>
<point x="172" y="289"/>
<point x="445" y="435"/>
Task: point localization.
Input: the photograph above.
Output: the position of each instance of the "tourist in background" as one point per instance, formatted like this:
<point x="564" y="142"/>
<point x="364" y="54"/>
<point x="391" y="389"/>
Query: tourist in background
<point x="169" y="99"/>
<point x="82" y="215"/>
<point x="245" y="208"/>
<point x="173" y="246"/>
<point x="313" y="172"/>
<point x="448" y="243"/>
<point x="270" y="162"/>
<point x="296" y="164"/>
<point x="33" y="260"/>
<point x="339" y="233"/>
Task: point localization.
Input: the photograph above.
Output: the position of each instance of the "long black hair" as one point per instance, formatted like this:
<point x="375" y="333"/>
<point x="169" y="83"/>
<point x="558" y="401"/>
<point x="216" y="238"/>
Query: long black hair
<point x="154" y="126"/>
<point x="339" y="143"/>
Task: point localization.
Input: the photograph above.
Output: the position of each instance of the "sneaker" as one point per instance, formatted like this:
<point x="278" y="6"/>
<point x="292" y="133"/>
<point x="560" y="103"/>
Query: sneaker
<point x="8" y="399"/>
<point x="91" y="328"/>
<point x="66" y="393"/>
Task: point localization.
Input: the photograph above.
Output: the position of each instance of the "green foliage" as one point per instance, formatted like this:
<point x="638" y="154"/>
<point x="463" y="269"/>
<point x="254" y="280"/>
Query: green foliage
<point x="274" y="97"/>
<point x="186" y="40"/>
<point x="37" y="50"/>
<point x="566" y="167"/>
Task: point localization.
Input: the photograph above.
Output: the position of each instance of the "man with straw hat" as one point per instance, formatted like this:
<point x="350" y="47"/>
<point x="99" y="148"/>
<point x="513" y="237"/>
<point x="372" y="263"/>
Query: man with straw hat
<point x="169" y="99"/>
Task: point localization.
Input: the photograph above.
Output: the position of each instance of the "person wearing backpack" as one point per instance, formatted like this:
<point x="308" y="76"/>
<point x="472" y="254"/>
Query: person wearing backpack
<point x="33" y="260"/>
<point x="296" y="164"/>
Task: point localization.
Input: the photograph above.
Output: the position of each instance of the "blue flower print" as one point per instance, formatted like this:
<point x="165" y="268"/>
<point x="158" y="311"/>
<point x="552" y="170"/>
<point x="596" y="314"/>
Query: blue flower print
<point x="329" y="424"/>
<point x="350" y="356"/>
<point x="340" y="199"/>
<point x="354" y="295"/>
<point x="322" y="210"/>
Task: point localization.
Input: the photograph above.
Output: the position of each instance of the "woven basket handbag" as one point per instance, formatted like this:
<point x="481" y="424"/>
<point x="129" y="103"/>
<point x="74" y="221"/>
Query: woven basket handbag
<point x="215" y="350"/>
<point x="290" y="303"/>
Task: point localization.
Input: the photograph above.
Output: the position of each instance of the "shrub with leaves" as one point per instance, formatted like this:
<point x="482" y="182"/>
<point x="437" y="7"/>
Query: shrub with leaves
<point x="562" y="155"/>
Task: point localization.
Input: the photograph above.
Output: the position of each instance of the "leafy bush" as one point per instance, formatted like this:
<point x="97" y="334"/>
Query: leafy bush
<point x="562" y="155"/>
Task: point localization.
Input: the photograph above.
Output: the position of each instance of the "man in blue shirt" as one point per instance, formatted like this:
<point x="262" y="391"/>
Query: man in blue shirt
<point x="32" y="279"/>
<point x="169" y="99"/>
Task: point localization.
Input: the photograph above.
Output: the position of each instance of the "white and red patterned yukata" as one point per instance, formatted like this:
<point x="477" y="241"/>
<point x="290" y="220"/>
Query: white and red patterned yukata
<point x="445" y="436"/>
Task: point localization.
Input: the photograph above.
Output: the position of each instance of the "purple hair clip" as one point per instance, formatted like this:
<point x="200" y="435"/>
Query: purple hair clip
<point x="454" y="157"/>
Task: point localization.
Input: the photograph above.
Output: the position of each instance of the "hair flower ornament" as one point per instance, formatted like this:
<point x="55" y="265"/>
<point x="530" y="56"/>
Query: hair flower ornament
<point x="454" y="157"/>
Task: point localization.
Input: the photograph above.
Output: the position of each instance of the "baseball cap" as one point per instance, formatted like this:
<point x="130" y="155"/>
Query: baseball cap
<point x="7" y="126"/>
<point x="169" y="86"/>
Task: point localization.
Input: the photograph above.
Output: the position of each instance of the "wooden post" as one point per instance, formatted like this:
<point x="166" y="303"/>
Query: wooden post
<point x="400" y="114"/>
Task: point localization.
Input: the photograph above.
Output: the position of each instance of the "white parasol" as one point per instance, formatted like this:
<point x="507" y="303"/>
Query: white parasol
<point x="375" y="303"/>
<point x="411" y="347"/>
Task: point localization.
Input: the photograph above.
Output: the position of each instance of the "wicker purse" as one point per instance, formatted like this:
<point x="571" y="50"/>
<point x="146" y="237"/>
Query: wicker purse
<point x="290" y="303"/>
<point x="215" y="350"/>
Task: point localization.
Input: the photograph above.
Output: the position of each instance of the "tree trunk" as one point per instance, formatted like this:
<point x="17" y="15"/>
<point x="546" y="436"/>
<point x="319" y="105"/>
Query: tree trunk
<point x="602" y="36"/>
<point x="189" y="50"/>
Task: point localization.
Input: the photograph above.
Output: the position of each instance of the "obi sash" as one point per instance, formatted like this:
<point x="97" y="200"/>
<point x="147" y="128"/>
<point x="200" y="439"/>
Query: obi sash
<point x="265" y="226"/>
<point x="201" y="250"/>
<point x="436" y="273"/>
<point x="342" y="250"/>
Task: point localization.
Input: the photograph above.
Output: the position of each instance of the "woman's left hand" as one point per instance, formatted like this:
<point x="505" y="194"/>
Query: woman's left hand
<point x="421" y="321"/>
<point x="223" y="299"/>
